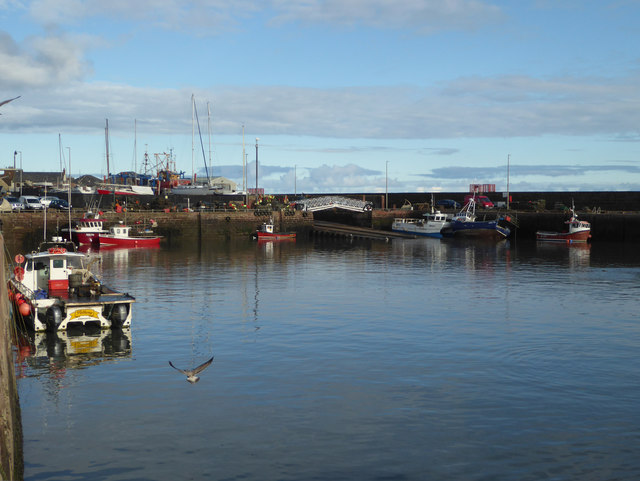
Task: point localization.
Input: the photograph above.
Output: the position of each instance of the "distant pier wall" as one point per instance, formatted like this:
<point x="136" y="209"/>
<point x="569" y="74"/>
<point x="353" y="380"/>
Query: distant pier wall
<point x="11" y="461"/>
<point x="24" y="231"/>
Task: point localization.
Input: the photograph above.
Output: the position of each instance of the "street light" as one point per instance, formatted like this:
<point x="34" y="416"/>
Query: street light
<point x="20" y="152"/>
<point x="386" y="186"/>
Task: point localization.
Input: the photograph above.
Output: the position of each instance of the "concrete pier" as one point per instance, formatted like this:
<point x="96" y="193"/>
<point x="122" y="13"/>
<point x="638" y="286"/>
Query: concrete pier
<point x="11" y="461"/>
<point x="26" y="229"/>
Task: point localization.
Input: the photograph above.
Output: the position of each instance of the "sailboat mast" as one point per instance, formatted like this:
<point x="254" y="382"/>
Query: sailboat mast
<point x="135" y="145"/>
<point x="106" y="140"/>
<point x="69" y="193"/>
<point x="193" y="133"/>
<point x="244" y="166"/>
<point x="209" y="131"/>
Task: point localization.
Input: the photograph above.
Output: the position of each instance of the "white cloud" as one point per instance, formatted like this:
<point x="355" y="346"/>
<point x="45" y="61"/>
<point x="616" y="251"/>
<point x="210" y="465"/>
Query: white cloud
<point x="570" y="107"/>
<point x="207" y="16"/>
<point x="41" y="62"/>
<point x="425" y="16"/>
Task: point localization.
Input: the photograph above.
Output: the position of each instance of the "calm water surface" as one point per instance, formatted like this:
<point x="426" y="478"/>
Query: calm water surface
<point x="418" y="359"/>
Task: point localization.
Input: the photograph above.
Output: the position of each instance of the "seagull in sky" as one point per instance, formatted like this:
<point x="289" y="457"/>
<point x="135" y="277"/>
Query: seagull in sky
<point x="10" y="100"/>
<point x="192" y="374"/>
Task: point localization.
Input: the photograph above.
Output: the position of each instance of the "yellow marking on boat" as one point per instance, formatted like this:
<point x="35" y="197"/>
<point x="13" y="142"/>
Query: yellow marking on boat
<point x="82" y="347"/>
<point x="84" y="313"/>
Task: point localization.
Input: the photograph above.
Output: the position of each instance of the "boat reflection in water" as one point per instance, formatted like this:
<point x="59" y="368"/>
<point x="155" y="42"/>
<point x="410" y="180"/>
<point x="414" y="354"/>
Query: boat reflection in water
<point x="47" y="352"/>
<point x="577" y="254"/>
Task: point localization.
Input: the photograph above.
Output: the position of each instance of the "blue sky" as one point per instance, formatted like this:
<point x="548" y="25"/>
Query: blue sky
<point x="345" y="96"/>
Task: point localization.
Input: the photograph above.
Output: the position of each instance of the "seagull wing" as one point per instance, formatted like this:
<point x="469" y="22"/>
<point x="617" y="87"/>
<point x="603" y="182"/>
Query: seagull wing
<point x="202" y="366"/>
<point x="186" y="373"/>
<point x="7" y="101"/>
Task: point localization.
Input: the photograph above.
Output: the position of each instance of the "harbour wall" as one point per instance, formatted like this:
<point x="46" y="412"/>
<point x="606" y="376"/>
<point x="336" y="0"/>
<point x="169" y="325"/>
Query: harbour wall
<point x="11" y="461"/>
<point x="24" y="231"/>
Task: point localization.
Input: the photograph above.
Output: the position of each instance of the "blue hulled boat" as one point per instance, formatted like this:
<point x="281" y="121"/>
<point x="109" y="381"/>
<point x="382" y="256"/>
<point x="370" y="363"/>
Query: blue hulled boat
<point x="465" y="224"/>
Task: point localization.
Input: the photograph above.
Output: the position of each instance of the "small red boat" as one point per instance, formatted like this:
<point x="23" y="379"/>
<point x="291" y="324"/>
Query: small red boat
<point x="266" y="232"/>
<point x="120" y="235"/>
<point x="579" y="231"/>
<point x="87" y="230"/>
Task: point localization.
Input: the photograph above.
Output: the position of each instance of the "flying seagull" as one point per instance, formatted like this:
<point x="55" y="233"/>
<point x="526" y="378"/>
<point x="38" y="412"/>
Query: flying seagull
<point x="10" y="100"/>
<point x="192" y="374"/>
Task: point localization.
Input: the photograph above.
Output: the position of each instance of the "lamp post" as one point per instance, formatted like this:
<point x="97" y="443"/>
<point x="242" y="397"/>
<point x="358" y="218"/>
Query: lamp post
<point x="295" y="181"/>
<point x="386" y="186"/>
<point x="20" y="152"/>
<point x="257" y="170"/>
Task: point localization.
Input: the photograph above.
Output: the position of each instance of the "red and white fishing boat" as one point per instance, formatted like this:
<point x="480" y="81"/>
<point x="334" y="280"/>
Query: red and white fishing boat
<point x="120" y="236"/>
<point x="266" y="232"/>
<point x="579" y="231"/>
<point x="87" y="230"/>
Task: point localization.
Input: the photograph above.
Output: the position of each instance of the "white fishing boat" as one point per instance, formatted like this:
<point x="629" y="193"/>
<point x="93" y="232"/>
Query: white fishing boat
<point x="429" y="226"/>
<point x="53" y="289"/>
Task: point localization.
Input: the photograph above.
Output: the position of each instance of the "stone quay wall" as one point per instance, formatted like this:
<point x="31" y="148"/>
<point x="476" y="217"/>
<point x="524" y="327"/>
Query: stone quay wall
<point x="11" y="462"/>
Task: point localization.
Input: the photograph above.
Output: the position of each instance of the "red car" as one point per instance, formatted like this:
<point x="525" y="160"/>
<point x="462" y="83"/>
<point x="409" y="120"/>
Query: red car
<point x="482" y="200"/>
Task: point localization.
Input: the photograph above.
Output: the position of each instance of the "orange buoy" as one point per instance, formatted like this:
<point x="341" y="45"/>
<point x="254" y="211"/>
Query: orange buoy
<point x="25" y="309"/>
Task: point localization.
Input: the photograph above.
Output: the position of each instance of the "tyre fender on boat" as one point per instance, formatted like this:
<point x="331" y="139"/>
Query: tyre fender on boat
<point x="53" y="318"/>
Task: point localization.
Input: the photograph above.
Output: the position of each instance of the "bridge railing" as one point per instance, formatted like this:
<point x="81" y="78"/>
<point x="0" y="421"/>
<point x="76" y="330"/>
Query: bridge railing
<point x="329" y="202"/>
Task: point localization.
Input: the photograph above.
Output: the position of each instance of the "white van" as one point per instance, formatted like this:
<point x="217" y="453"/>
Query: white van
<point x="31" y="202"/>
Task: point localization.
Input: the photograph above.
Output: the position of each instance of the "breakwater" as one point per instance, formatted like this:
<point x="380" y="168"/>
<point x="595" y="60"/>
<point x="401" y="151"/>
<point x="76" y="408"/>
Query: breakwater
<point x="11" y="464"/>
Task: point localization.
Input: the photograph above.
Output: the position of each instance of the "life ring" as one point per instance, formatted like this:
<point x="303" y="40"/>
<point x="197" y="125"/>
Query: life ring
<point x="228" y="219"/>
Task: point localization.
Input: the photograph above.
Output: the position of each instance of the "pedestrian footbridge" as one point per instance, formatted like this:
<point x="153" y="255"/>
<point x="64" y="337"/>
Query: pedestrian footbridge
<point x="334" y="202"/>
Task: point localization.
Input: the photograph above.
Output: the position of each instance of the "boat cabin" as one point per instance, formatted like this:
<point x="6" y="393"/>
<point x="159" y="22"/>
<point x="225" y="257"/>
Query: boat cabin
<point x="49" y="269"/>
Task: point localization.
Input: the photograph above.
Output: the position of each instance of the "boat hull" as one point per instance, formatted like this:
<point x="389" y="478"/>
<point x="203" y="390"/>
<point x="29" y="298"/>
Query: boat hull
<point x="106" y="240"/>
<point x="276" y="235"/>
<point x="477" y="229"/>
<point x="420" y="228"/>
<point x="422" y="233"/>
<point x="564" y="237"/>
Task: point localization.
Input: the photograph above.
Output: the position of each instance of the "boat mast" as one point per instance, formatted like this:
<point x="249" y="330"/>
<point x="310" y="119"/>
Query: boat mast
<point x="508" y="161"/>
<point x="209" y="131"/>
<point x="244" y="167"/>
<point x="193" y="133"/>
<point x="135" y="145"/>
<point x="106" y="141"/>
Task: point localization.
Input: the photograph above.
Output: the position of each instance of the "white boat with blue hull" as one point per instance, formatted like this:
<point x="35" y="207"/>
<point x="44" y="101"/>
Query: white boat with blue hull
<point x="430" y="225"/>
<point x="465" y="224"/>
<point x="53" y="289"/>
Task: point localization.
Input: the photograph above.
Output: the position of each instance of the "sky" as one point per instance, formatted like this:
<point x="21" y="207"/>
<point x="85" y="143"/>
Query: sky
<point x="343" y="95"/>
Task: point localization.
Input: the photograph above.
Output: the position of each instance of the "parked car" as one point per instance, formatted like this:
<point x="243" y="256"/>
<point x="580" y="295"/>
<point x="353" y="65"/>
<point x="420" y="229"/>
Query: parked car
<point x="447" y="204"/>
<point x="15" y="203"/>
<point x="59" y="204"/>
<point x="45" y="201"/>
<point x="31" y="202"/>
<point x="481" y="200"/>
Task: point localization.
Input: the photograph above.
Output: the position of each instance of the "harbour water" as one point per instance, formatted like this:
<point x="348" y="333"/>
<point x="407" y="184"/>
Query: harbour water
<point x="409" y="360"/>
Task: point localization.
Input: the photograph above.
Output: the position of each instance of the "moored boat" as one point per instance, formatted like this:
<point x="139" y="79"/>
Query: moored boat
<point x="124" y="189"/>
<point x="578" y="231"/>
<point x="120" y="235"/>
<point x="266" y="232"/>
<point x="430" y="226"/>
<point x="465" y="224"/>
<point x="55" y="290"/>
<point x="87" y="230"/>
